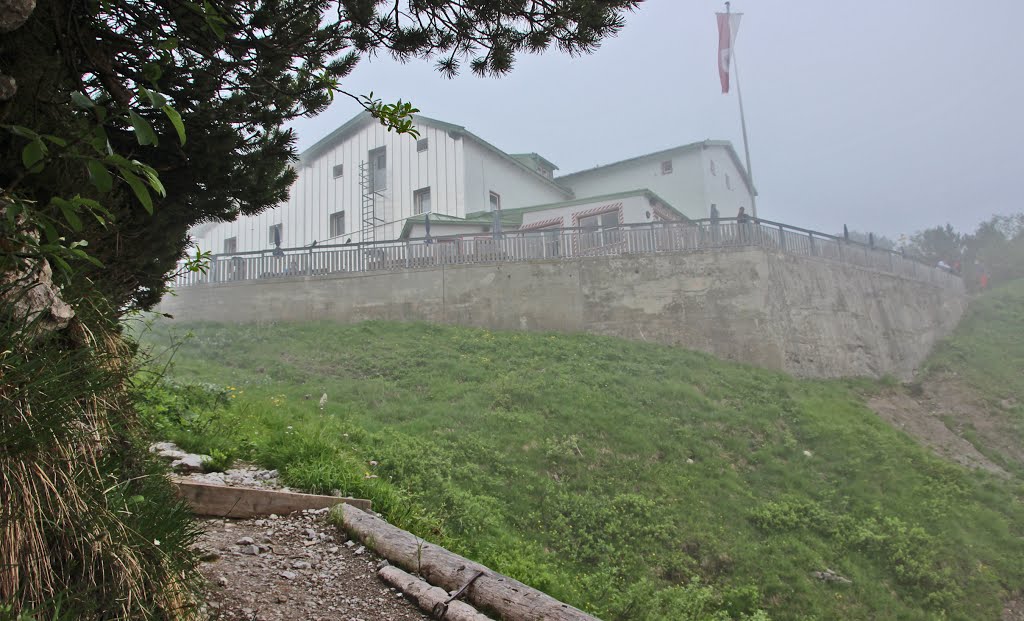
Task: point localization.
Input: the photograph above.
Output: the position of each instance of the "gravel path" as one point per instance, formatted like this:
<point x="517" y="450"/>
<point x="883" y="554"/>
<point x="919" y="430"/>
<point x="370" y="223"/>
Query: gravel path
<point x="294" y="567"/>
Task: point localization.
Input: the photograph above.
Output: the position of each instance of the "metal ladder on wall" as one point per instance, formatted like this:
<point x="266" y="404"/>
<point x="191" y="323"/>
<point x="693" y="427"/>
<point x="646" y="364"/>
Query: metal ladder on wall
<point x="369" y="203"/>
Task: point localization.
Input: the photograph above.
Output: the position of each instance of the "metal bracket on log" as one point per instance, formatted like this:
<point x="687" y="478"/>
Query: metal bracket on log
<point x="441" y="609"/>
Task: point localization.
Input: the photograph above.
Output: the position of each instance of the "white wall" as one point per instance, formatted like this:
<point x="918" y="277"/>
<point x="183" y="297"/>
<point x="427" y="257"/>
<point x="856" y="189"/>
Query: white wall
<point x="316" y="194"/>
<point x="634" y="211"/>
<point x="683" y="188"/>
<point x="487" y="172"/>
<point x="724" y="185"/>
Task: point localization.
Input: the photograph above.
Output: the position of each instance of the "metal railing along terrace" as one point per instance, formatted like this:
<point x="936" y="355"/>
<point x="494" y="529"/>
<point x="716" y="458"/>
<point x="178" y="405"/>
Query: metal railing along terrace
<point x="562" y="243"/>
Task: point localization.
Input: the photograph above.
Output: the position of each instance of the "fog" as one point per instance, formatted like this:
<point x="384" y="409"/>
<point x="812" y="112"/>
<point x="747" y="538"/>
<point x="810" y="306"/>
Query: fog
<point x="889" y="117"/>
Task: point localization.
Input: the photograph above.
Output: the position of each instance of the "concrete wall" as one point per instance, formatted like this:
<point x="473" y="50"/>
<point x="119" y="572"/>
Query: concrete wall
<point x="808" y="316"/>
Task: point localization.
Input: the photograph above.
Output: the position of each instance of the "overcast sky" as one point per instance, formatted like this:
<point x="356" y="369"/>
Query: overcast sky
<point x="887" y="116"/>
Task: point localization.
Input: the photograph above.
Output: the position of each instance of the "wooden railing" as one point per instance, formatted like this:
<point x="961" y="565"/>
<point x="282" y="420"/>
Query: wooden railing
<point x="564" y="243"/>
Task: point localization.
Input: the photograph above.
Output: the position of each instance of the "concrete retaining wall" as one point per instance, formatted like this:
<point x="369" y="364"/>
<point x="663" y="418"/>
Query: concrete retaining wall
<point x="811" y="317"/>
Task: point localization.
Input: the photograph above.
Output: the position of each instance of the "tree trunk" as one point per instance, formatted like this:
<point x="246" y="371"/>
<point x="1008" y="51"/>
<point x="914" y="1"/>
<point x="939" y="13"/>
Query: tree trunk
<point x="507" y="599"/>
<point x="429" y="597"/>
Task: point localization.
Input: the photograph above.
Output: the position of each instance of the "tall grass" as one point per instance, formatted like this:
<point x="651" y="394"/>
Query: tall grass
<point x="89" y="525"/>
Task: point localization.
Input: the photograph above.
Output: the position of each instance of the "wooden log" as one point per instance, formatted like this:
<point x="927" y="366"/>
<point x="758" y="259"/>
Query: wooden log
<point x="428" y="597"/>
<point x="245" y="502"/>
<point x="493" y="593"/>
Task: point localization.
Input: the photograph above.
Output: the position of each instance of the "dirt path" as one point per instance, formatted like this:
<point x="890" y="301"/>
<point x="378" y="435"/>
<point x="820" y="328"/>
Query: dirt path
<point x="948" y="417"/>
<point x="294" y="567"/>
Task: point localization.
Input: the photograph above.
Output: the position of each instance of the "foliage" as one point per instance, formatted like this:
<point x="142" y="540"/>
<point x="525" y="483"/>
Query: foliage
<point x="995" y="248"/>
<point x="632" y="480"/>
<point x="109" y="92"/>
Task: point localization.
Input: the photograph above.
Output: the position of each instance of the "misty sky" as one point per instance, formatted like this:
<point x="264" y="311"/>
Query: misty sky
<point x="887" y="116"/>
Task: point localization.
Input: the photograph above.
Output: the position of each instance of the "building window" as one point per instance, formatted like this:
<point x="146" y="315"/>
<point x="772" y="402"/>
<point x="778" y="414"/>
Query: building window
<point x="666" y="167"/>
<point x="599" y="229"/>
<point x="339" y="170"/>
<point x="231" y="245"/>
<point x="728" y="181"/>
<point x="337" y="223"/>
<point x="421" y="200"/>
<point x="276" y="235"/>
<point x="379" y="169"/>
<point x="714" y="169"/>
<point x="421" y="145"/>
<point x="495" y="201"/>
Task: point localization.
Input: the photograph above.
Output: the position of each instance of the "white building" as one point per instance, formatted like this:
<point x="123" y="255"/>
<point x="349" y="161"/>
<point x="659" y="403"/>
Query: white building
<point x="363" y="183"/>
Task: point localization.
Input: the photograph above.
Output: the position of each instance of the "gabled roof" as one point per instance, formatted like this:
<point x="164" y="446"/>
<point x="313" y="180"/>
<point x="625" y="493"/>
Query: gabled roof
<point x="534" y="157"/>
<point x="478" y="219"/>
<point x="693" y="146"/>
<point x="456" y="131"/>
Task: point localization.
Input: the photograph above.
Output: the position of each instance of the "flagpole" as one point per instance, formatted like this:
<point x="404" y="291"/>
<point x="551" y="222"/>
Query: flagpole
<point x="743" y="119"/>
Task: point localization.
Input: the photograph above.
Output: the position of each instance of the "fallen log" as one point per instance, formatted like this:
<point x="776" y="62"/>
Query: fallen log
<point x="505" y="598"/>
<point x="429" y="597"/>
<point x="243" y="502"/>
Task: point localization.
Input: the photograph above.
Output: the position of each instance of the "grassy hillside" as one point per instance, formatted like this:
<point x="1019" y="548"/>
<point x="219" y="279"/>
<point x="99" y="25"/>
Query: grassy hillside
<point x="633" y="480"/>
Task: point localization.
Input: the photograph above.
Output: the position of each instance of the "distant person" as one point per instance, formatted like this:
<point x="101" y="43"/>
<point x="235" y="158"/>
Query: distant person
<point x="742" y="222"/>
<point x="714" y="223"/>
<point x="983" y="281"/>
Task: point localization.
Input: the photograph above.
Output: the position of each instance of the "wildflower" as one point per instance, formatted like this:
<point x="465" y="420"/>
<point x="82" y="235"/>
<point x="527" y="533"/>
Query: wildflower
<point x="156" y="542"/>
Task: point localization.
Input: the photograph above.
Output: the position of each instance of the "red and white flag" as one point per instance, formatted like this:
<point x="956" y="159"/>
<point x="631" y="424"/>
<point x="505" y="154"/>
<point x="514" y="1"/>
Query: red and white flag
<point x="728" y="26"/>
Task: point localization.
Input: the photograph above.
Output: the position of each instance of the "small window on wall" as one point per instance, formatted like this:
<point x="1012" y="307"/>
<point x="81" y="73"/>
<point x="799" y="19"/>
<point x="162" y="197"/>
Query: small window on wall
<point x="421" y="201"/>
<point x="728" y="181"/>
<point x="231" y="245"/>
<point x="421" y="145"/>
<point x="495" y="202"/>
<point x="276" y="235"/>
<point x="714" y="169"/>
<point x="666" y="167"/>
<point x="337" y="223"/>
<point x="339" y="170"/>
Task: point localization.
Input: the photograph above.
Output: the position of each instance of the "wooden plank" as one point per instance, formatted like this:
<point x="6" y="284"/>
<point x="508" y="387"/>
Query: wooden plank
<point x="246" y="502"/>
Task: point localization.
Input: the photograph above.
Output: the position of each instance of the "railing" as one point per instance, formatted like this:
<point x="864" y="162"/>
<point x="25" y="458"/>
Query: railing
<point x="566" y="243"/>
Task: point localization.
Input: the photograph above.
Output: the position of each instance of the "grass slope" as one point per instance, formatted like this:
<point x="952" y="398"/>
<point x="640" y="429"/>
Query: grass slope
<point x="633" y="480"/>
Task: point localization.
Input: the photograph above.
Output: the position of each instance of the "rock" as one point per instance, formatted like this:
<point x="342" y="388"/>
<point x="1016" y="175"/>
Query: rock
<point x="360" y="550"/>
<point x="350" y="544"/>
<point x="301" y="565"/>
<point x="245" y="541"/>
<point x="222" y="581"/>
<point x="190" y="463"/>
<point x="310" y="533"/>
<point x="207" y="555"/>
<point x="830" y="576"/>
<point x="288" y="575"/>
<point x="251" y="550"/>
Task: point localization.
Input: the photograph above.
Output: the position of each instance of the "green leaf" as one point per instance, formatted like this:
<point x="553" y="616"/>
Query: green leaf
<point x="213" y="19"/>
<point x="50" y="231"/>
<point x="154" y="98"/>
<point x="151" y="177"/>
<point x="61" y="263"/>
<point x="175" y="118"/>
<point x="141" y="192"/>
<point x="82" y="101"/>
<point x="57" y="140"/>
<point x="143" y="130"/>
<point x="81" y="254"/>
<point x="32" y="155"/>
<point x="99" y="175"/>
<point x="24" y="132"/>
<point x="69" y="212"/>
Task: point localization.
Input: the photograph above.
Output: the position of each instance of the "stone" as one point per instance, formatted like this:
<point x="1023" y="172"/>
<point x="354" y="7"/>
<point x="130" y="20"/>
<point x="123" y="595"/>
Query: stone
<point x="252" y="550"/>
<point x="189" y="463"/>
<point x="288" y="575"/>
<point x="301" y="565"/>
<point x="245" y="541"/>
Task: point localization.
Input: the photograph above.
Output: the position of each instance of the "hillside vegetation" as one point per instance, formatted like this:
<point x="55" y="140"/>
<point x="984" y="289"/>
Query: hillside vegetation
<point x="633" y="480"/>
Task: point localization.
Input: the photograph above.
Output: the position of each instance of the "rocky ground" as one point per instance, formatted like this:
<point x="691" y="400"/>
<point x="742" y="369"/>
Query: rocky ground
<point x="284" y="567"/>
<point x="294" y="567"/>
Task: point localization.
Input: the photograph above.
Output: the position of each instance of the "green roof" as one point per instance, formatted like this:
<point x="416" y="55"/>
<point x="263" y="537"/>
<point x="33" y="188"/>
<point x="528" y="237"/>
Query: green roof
<point x="478" y="219"/>
<point x="534" y="157"/>
<point x="592" y="199"/>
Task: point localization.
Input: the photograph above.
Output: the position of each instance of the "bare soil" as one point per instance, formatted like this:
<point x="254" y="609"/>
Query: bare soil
<point x="294" y="567"/>
<point x="942" y="413"/>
